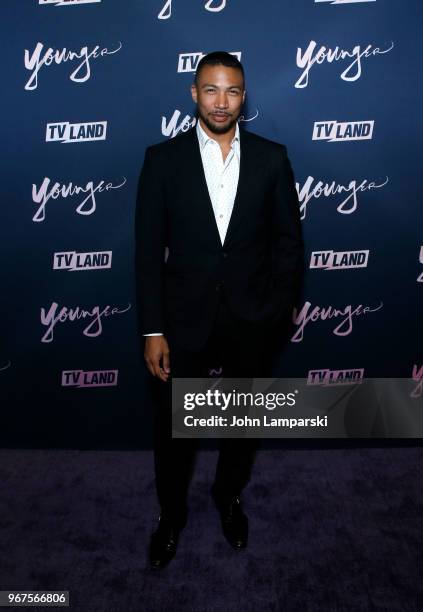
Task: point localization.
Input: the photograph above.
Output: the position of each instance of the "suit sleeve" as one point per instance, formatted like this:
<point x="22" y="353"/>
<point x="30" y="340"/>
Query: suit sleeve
<point x="287" y="239"/>
<point x="150" y="246"/>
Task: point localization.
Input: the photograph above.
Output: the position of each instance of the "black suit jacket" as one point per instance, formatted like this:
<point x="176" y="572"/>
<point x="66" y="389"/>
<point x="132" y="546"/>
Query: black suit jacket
<point x="259" y="266"/>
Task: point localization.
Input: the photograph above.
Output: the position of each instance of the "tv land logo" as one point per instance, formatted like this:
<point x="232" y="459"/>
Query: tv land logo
<point x="66" y="132"/>
<point x="334" y="378"/>
<point x="420" y="277"/>
<point x="334" y="131"/>
<point x="309" y="314"/>
<point x="188" y="62"/>
<point x="46" y="192"/>
<point x="310" y="190"/>
<point x="339" y="260"/>
<point x="312" y="56"/>
<point x="94" y="378"/>
<point x="74" y="262"/>
<point x="214" y="6"/>
<point x="38" y="58"/>
<point x="417" y="376"/>
<point x="67" y="2"/>
<point x="171" y="127"/>
<point x="52" y="316"/>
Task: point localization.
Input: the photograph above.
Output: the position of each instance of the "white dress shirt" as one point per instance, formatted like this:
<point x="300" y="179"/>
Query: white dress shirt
<point x="221" y="178"/>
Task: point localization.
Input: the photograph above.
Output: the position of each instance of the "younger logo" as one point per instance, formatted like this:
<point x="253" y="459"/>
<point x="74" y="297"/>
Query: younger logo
<point x="309" y="313"/>
<point x="67" y="2"/>
<point x="54" y="314"/>
<point x="334" y="131"/>
<point x="311" y="190"/>
<point x="210" y="5"/>
<point x="5" y="366"/>
<point x="73" y="261"/>
<point x="49" y="190"/>
<point x="335" y="377"/>
<point x="344" y="1"/>
<point x="417" y="376"/>
<point x="420" y="277"/>
<point x="95" y="378"/>
<point x="178" y="123"/>
<point x="76" y="132"/>
<point x="188" y="62"/>
<point x="339" y="260"/>
<point x="45" y="57"/>
<point x="313" y="55"/>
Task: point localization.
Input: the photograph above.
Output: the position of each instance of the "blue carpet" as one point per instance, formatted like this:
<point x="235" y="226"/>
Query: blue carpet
<point x="330" y="530"/>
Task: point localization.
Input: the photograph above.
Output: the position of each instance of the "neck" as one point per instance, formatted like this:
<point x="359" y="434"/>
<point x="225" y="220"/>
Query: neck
<point x="222" y="139"/>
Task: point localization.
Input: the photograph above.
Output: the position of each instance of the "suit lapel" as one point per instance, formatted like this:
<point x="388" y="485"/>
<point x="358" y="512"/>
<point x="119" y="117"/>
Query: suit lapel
<point x="246" y="177"/>
<point x="202" y="200"/>
<point x="247" y="174"/>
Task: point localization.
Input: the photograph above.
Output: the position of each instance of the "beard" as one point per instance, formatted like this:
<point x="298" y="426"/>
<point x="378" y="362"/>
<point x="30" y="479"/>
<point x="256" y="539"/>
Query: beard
<point x="217" y="128"/>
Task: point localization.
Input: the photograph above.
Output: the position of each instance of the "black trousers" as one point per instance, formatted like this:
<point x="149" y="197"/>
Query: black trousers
<point x="244" y="350"/>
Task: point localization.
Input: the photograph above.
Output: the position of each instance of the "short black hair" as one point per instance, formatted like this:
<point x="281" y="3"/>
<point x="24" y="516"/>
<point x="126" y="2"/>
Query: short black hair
<point x="219" y="58"/>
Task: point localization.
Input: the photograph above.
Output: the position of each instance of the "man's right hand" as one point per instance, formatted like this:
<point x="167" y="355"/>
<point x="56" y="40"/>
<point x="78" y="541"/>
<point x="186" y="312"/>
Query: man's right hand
<point x="156" y="355"/>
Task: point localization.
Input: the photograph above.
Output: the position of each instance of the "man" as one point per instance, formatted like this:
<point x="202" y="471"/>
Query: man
<point x="223" y="202"/>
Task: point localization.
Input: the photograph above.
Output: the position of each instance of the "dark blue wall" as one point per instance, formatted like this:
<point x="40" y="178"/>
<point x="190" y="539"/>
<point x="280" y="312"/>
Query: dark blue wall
<point x="134" y="85"/>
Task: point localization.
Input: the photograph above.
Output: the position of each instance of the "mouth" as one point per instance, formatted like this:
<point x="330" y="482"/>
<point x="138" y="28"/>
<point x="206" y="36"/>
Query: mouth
<point x="220" y="117"/>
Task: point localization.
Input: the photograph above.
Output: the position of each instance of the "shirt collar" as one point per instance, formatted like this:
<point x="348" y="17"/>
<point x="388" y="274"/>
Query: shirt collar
<point x="203" y="138"/>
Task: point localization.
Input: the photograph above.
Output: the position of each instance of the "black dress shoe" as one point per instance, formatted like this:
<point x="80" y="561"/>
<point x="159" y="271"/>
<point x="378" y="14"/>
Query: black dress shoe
<point x="234" y="522"/>
<point x="164" y="542"/>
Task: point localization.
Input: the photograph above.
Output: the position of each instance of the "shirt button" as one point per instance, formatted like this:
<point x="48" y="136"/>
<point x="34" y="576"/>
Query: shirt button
<point x="222" y="185"/>
<point x="221" y="216"/>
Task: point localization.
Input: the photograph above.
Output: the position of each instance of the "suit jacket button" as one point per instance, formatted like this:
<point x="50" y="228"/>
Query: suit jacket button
<point x="218" y="286"/>
<point x="225" y="253"/>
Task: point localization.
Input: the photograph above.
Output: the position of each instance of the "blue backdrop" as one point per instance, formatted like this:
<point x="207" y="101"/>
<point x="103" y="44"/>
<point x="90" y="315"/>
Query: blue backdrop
<point x="87" y="85"/>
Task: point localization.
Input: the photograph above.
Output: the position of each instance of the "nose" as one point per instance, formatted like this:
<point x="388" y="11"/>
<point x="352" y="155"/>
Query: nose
<point x="222" y="100"/>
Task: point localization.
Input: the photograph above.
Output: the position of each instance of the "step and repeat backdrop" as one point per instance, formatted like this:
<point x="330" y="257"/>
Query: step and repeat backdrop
<point x="87" y="85"/>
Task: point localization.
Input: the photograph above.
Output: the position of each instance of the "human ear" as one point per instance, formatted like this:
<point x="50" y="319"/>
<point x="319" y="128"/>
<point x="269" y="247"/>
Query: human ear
<point x="194" y="92"/>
